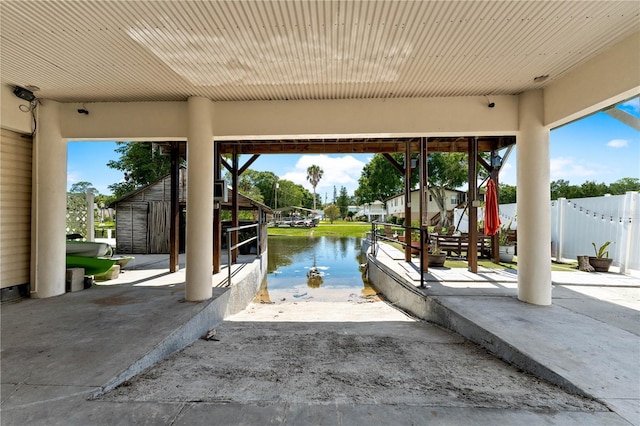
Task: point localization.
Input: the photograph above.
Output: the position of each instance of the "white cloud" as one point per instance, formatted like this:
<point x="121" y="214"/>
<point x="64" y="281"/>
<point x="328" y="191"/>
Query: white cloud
<point x="338" y="171"/>
<point x="72" y="177"/>
<point x="567" y="168"/>
<point x="618" y="143"/>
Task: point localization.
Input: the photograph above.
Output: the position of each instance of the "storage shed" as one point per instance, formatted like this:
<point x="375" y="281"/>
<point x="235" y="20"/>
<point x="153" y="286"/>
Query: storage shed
<point x="143" y="216"/>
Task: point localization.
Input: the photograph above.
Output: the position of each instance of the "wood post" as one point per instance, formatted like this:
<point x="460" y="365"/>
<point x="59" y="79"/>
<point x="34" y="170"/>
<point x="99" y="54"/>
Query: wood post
<point x="472" y="246"/>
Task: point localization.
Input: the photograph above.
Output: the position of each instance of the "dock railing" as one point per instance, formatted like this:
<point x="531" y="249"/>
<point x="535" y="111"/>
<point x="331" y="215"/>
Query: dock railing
<point x="248" y="240"/>
<point x="382" y="231"/>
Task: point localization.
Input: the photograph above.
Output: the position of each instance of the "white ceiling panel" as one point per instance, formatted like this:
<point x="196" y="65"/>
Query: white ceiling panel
<point x="258" y="50"/>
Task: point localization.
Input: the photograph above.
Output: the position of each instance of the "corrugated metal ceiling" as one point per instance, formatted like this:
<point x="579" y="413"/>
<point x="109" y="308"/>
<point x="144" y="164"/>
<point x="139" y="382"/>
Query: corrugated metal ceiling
<point x="259" y="50"/>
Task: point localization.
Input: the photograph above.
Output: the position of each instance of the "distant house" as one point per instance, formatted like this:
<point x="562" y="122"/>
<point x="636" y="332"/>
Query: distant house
<point x="395" y="204"/>
<point x="373" y="211"/>
<point x="143" y="216"/>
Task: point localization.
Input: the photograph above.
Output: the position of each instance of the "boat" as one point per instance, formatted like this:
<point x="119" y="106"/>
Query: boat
<point x="122" y="261"/>
<point x="87" y="248"/>
<point x="91" y="265"/>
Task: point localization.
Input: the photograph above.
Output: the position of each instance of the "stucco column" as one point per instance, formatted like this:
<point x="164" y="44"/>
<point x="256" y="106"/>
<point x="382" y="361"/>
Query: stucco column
<point x="199" y="244"/>
<point x="534" y="207"/>
<point x="49" y="204"/>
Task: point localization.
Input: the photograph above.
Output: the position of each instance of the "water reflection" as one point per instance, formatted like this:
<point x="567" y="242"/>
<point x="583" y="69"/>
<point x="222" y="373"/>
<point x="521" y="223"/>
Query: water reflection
<point x="309" y="262"/>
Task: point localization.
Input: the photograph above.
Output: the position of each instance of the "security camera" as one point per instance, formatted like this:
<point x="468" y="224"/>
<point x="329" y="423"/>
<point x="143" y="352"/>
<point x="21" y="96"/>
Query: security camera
<point x="23" y="93"/>
<point x="491" y="104"/>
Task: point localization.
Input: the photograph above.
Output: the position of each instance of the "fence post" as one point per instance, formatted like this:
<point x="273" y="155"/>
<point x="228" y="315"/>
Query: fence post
<point x="561" y="205"/>
<point x="630" y="201"/>
<point x="91" y="232"/>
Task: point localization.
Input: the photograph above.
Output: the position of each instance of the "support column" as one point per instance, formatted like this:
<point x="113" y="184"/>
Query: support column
<point x="49" y="204"/>
<point x="199" y="200"/>
<point x="534" y="209"/>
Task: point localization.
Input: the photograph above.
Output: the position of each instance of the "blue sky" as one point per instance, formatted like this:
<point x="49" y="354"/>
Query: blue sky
<point x="597" y="148"/>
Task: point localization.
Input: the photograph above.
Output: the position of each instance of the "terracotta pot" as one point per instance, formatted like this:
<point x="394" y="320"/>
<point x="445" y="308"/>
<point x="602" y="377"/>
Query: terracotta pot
<point x="600" y="264"/>
<point x="415" y="244"/>
<point x="437" y="259"/>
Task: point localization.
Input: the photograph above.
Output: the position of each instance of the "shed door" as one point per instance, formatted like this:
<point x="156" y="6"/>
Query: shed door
<point x="15" y="208"/>
<point x="159" y="226"/>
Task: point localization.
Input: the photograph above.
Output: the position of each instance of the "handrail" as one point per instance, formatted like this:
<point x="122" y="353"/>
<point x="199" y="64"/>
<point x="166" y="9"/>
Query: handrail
<point x="424" y="237"/>
<point x="241" y="243"/>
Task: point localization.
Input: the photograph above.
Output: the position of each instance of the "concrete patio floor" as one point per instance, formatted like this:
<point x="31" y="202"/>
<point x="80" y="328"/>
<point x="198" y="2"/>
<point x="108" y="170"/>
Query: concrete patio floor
<point x="60" y="355"/>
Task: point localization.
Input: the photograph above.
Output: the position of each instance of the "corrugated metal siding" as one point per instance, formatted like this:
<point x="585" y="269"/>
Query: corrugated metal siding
<point x="260" y="50"/>
<point x="15" y="208"/>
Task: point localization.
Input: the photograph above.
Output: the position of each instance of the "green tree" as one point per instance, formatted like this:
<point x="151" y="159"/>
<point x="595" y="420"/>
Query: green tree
<point x="140" y="165"/>
<point x="507" y="194"/>
<point x="379" y="180"/>
<point x="562" y="189"/>
<point x="446" y="171"/>
<point x="621" y="186"/>
<point x="343" y="201"/>
<point x="247" y="188"/>
<point x="592" y="189"/>
<point x="291" y="194"/>
<point x="265" y="183"/>
<point x="82" y="187"/>
<point x="332" y="212"/>
<point x="314" y="174"/>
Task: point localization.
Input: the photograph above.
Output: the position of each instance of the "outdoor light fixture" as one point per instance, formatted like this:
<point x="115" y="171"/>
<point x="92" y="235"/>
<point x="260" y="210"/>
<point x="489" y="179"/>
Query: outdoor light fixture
<point x="23" y="93"/>
<point x="489" y="103"/>
<point x="83" y="110"/>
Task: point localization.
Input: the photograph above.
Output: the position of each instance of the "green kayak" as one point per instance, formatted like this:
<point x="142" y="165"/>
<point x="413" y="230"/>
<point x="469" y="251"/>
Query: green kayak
<point x="91" y="265"/>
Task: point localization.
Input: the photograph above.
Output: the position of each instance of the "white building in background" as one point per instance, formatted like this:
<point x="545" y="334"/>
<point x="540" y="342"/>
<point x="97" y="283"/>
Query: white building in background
<point x="395" y="204"/>
<point x="373" y="211"/>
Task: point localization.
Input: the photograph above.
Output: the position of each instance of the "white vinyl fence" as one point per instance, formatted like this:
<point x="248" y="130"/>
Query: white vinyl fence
<point x="576" y="223"/>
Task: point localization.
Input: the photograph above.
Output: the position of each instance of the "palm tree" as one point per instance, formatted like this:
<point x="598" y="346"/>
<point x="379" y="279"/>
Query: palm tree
<point x="314" y="174"/>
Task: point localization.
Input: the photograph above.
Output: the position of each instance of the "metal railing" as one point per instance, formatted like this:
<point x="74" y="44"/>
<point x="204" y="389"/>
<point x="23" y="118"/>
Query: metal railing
<point x="385" y="227"/>
<point x="230" y="248"/>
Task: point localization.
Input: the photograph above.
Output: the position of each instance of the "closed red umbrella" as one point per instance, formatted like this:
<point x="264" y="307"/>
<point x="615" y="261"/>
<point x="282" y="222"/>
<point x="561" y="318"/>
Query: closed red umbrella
<point x="491" y="214"/>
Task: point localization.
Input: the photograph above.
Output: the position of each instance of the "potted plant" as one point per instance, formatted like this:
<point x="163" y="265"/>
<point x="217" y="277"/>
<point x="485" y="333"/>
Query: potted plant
<point x="436" y="256"/>
<point x="601" y="261"/>
<point x="506" y="249"/>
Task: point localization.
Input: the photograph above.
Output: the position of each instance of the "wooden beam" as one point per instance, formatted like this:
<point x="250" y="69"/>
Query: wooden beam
<point x="424" y="199"/>
<point x="174" y="219"/>
<point x="235" y="211"/>
<point x="359" y="145"/>
<point x="407" y="202"/>
<point x="472" y="247"/>
<point x="394" y="163"/>
<point x="226" y="165"/>
<point x="484" y="163"/>
<point x="217" y="217"/>
<point x="248" y="163"/>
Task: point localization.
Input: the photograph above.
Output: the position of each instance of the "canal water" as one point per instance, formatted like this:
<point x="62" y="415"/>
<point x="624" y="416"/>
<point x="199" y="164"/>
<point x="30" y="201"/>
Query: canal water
<point x="315" y="267"/>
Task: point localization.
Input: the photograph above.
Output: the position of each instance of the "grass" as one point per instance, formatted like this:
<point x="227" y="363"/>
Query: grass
<point x="489" y="264"/>
<point x="338" y="228"/>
